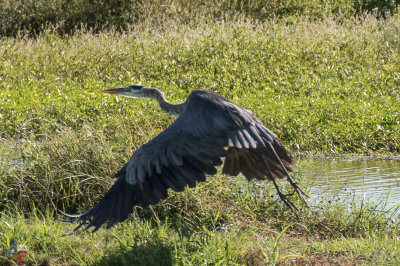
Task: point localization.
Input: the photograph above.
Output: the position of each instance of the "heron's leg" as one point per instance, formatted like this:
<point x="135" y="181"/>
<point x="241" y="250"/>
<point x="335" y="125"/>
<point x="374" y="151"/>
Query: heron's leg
<point x="293" y="183"/>
<point x="282" y="196"/>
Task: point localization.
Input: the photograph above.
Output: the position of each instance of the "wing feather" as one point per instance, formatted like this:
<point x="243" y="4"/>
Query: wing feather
<point x="164" y="159"/>
<point x="157" y="164"/>
<point x="242" y="139"/>
<point x="256" y="136"/>
<point x="236" y="140"/>
<point x="250" y="140"/>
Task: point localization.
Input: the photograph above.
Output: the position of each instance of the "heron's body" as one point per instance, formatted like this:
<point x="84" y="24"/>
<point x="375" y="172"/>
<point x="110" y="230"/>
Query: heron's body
<point x="208" y="128"/>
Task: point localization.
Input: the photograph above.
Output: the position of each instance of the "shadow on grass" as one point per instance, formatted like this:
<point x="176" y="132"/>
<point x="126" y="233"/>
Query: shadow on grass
<point x="151" y="253"/>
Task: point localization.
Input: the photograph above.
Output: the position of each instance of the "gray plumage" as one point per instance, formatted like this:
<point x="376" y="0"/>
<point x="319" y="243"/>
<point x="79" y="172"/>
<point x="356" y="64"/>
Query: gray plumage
<point x="208" y="128"/>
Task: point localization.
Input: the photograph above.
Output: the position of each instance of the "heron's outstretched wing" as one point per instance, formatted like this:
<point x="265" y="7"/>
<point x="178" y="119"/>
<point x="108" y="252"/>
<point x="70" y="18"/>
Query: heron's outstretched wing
<point x="185" y="152"/>
<point x="249" y="146"/>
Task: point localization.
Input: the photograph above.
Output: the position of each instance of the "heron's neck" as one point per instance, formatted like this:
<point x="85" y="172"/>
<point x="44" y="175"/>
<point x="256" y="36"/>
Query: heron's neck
<point x="170" y="108"/>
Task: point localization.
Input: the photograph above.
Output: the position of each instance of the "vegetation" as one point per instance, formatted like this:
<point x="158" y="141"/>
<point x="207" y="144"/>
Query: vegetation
<point x="66" y="16"/>
<point x="325" y="85"/>
<point x="219" y="222"/>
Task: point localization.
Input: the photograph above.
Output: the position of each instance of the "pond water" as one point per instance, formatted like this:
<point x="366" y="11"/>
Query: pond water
<point x="354" y="180"/>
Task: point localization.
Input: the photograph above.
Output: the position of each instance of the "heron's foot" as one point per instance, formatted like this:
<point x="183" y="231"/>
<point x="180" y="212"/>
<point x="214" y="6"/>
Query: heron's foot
<point x="284" y="198"/>
<point x="299" y="192"/>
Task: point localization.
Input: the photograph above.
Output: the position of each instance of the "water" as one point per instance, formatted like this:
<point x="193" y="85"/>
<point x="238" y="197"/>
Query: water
<point x="350" y="180"/>
<point x="362" y="180"/>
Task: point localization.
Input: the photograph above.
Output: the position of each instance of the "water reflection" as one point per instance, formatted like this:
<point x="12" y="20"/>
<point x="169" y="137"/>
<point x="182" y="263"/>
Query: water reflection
<point x="368" y="180"/>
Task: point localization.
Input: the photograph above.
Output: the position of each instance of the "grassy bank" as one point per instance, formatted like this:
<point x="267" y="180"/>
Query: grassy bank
<point x="224" y="222"/>
<point x="325" y="87"/>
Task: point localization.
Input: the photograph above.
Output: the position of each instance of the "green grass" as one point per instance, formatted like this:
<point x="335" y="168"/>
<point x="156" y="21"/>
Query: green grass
<point x="216" y="223"/>
<point x="320" y="86"/>
<point x="324" y="87"/>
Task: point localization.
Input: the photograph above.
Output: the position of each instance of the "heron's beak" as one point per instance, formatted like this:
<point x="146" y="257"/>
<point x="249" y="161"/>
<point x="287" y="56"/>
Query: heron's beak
<point x="120" y="91"/>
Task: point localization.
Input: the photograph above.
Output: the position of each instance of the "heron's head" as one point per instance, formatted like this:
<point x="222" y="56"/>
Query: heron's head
<point x="134" y="91"/>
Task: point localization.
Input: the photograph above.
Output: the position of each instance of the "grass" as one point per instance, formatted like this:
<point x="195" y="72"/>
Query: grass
<point x="323" y="86"/>
<point x="320" y="86"/>
<point x="66" y="16"/>
<point x="213" y="224"/>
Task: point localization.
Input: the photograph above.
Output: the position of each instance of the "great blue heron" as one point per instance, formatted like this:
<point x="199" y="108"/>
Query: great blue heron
<point x="209" y="127"/>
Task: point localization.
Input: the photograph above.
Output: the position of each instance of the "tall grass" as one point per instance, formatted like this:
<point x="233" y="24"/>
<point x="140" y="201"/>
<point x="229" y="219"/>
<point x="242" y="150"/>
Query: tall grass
<point x="67" y="16"/>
